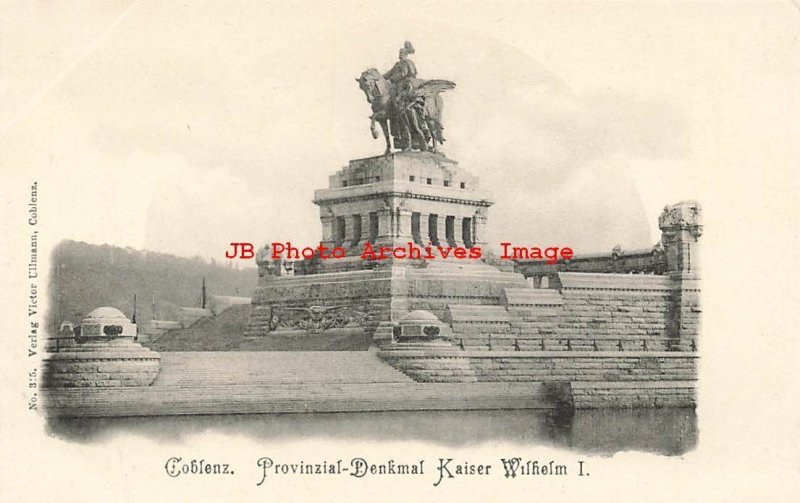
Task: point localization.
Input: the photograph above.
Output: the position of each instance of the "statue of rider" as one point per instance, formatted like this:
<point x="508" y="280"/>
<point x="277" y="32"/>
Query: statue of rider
<point x="404" y="70"/>
<point x="408" y="107"/>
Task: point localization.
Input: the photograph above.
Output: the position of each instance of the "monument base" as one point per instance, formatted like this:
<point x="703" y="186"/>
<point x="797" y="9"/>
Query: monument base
<point x="114" y="363"/>
<point x="373" y="300"/>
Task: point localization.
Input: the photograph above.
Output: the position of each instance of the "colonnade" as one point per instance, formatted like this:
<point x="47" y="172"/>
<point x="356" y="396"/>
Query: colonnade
<point x="401" y="224"/>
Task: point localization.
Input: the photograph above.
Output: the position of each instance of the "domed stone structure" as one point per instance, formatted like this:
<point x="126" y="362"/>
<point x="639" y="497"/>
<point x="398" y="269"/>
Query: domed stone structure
<point x="105" y="323"/>
<point x="419" y="326"/>
<point x="105" y="354"/>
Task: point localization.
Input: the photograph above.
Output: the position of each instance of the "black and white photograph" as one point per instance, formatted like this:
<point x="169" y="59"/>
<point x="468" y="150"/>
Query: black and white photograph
<point x="347" y="251"/>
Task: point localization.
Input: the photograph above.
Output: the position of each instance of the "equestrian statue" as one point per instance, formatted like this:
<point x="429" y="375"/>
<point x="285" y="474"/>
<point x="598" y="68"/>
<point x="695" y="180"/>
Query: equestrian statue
<point x="408" y="109"/>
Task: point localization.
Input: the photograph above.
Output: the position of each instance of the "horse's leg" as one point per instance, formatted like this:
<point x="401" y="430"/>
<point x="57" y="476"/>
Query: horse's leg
<point x="387" y="136"/>
<point x="372" y="127"/>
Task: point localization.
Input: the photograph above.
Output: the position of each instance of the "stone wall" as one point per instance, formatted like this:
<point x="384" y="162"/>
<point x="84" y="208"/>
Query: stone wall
<point x="320" y="301"/>
<point x="618" y="340"/>
<point x="598" y="379"/>
<point x="115" y="363"/>
<point x="448" y="365"/>
<point x="596" y="395"/>
<point x="587" y="312"/>
<point x="384" y="294"/>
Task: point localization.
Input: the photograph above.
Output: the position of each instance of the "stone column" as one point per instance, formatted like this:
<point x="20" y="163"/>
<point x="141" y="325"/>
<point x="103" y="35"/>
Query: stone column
<point x="350" y="237"/>
<point x="366" y="228"/>
<point x="327" y="230"/>
<point x="403" y="226"/>
<point x="681" y="227"/>
<point x="479" y="229"/>
<point x="385" y="225"/>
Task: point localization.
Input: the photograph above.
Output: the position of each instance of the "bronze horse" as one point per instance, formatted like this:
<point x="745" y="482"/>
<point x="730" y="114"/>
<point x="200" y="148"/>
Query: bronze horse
<point x="411" y="116"/>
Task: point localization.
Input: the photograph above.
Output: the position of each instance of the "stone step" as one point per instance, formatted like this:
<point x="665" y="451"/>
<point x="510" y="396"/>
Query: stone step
<point x="464" y="313"/>
<point x="280" y="367"/>
<point x="530" y="297"/>
<point x="293" y="398"/>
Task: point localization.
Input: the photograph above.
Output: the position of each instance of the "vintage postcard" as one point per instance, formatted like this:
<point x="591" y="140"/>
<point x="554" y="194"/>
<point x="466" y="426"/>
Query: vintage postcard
<point x="451" y="251"/>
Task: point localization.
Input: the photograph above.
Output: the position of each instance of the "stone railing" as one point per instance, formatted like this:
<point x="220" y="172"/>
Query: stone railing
<point x="676" y="254"/>
<point x="617" y="343"/>
<point x="618" y="261"/>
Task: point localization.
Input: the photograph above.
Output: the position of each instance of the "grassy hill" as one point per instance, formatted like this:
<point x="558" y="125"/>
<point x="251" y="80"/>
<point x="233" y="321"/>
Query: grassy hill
<point x="86" y="276"/>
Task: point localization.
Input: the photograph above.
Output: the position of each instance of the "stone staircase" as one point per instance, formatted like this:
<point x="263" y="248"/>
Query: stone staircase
<point x="216" y="368"/>
<point x="285" y="382"/>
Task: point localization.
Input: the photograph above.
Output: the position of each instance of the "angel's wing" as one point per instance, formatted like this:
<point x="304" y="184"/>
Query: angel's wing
<point x="430" y="88"/>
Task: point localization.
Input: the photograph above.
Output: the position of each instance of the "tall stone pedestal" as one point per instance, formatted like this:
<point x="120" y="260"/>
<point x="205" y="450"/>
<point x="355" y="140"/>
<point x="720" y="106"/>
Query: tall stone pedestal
<point x="392" y="200"/>
<point x="681" y="226"/>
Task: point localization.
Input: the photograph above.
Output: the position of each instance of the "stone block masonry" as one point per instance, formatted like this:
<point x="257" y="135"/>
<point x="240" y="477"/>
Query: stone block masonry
<point x="589" y="312"/>
<point x="619" y="340"/>
<point x="620" y="332"/>
<point x="101" y="365"/>
<point x="598" y="379"/>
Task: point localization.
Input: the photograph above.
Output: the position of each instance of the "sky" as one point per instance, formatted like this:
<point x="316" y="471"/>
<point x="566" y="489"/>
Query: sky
<point x="181" y="127"/>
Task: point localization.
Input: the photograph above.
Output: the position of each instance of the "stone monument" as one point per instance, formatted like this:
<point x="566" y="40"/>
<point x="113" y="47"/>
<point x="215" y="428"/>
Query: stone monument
<point x="416" y="196"/>
<point x="392" y="200"/>
<point x="408" y="109"/>
<point x="104" y="353"/>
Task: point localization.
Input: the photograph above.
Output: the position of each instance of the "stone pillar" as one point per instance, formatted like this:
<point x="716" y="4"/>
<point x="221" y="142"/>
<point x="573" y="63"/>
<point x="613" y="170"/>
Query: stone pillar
<point x="479" y="229"/>
<point x="681" y="227"/>
<point x="366" y="228"/>
<point x="403" y="226"/>
<point x="385" y="225"/>
<point x="327" y="230"/>
<point x="349" y="231"/>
